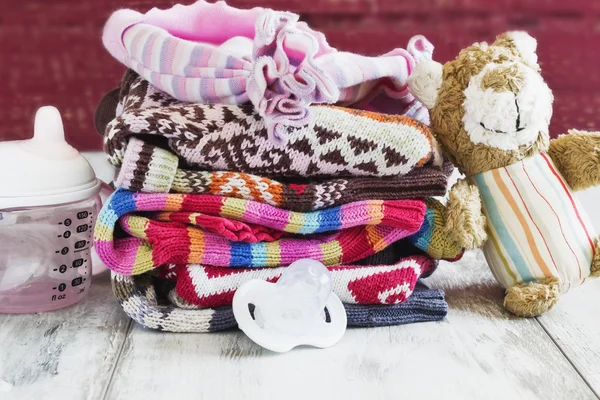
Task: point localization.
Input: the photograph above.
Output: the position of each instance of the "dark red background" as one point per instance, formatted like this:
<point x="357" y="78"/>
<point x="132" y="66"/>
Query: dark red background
<point x="51" y="53"/>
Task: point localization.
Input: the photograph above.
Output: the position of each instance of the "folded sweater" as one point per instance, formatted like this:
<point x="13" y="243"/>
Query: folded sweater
<point x="201" y="286"/>
<point x="216" y="54"/>
<point x="148" y="168"/>
<point x="144" y="299"/>
<point x="334" y="236"/>
<point x="339" y="235"/>
<point x="341" y="142"/>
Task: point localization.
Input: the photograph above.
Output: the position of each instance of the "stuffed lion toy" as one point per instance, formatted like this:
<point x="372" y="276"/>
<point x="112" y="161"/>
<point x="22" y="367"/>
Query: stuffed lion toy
<point x="490" y="111"/>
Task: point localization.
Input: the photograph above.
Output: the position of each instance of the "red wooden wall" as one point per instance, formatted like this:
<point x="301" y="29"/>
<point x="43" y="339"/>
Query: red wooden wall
<point x="51" y="53"/>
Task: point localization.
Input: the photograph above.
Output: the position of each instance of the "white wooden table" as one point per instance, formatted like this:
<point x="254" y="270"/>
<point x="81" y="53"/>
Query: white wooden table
<point x="93" y="351"/>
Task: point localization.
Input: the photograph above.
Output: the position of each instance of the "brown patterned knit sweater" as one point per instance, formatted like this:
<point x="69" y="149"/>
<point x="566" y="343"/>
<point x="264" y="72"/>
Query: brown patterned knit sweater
<point x="150" y="169"/>
<point x="341" y="143"/>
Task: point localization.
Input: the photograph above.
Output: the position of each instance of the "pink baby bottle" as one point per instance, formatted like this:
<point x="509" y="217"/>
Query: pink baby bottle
<point x="49" y="199"/>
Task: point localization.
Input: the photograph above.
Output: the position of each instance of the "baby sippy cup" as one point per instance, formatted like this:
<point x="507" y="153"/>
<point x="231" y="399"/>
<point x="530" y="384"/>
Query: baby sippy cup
<point x="49" y="199"/>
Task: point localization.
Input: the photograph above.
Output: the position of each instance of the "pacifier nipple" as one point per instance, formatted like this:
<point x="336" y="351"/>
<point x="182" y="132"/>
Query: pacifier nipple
<point x="291" y="312"/>
<point x="298" y="298"/>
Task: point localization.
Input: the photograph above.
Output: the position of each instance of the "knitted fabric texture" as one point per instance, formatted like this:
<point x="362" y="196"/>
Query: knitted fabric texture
<point x="143" y="299"/>
<point x="150" y="169"/>
<point x="433" y="237"/>
<point x="391" y="255"/>
<point x="374" y="284"/>
<point x="264" y="56"/>
<point x="341" y="143"/>
<point x="359" y="230"/>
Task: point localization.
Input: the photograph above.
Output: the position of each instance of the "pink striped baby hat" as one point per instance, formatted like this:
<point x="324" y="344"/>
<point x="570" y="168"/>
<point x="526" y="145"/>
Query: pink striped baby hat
<point x="213" y="53"/>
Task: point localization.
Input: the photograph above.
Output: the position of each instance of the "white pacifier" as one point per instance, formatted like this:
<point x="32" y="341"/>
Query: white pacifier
<point x="300" y="309"/>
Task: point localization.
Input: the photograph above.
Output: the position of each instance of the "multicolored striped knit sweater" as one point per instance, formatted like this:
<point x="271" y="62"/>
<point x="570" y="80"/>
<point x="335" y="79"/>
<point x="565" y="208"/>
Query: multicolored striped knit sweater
<point x="339" y="235"/>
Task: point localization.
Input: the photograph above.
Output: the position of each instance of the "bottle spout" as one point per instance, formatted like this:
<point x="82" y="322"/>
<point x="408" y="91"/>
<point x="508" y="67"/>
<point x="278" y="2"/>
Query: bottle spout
<point x="48" y="125"/>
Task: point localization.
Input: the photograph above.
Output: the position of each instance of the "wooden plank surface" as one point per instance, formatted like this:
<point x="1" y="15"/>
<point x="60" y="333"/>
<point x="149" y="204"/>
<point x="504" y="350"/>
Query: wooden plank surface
<point x="575" y="327"/>
<point x="478" y="352"/>
<point x="575" y="324"/>
<point x="66" y="354"/>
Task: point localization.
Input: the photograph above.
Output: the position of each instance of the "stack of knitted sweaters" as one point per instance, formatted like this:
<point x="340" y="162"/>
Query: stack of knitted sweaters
<point x="233" y="163"/>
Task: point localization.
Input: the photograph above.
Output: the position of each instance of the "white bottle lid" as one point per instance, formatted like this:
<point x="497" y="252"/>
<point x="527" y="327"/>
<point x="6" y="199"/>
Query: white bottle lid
<point x="44" y="170"/>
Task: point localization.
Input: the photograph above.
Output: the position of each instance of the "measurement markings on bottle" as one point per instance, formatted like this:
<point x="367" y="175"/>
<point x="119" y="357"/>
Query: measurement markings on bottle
<point x="82" y="228"/>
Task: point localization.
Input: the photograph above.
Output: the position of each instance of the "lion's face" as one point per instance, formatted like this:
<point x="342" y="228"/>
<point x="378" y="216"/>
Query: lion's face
<point x="490" y="107"/>
<point x="506" y="106"/>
